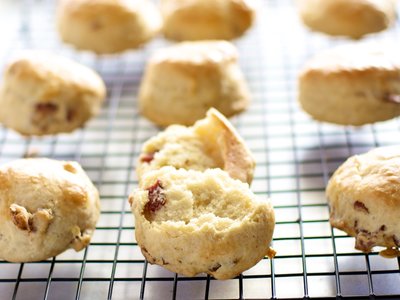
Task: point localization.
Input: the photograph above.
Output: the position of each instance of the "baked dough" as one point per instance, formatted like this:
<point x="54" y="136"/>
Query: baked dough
<point x="352" y="85"/>
<point x="46" y="207"/>
<point x="46" y="94"/>
<point x="211" y="143"/>
<point x="351" y="18"/>
<point x="192" y="222"/>
<point x="364" y="197"/>
<point x="107" y="26"/>
<point x="206" y="19"/>
<point x="183" y="81"/>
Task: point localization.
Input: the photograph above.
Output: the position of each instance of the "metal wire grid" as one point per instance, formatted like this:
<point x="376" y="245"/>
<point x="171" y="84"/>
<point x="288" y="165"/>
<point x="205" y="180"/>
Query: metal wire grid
<point x="295" y="157"/>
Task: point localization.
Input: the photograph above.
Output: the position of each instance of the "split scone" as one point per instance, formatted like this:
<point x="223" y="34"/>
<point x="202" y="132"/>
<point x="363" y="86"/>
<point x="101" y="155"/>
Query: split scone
<point x="183" y="81"/>
<point x="211" y="143"/>
<point x="351" y="18"/>
<point x="45" y="94"/>
<point x="352" y="85"/>
<point x="107" y="26"/>
<point x="206" y="19"/>
<point x="364" y="197"/>
<point x="194" y="222"/>
<point x="46" y="207"/>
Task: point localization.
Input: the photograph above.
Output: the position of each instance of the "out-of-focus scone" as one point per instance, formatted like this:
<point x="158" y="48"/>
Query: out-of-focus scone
<point x="183" y="81"/>
<point x="206" y="19"/>
<point x="46" y="207"/>
<point x="194" y="222"/>
<point x="352" y="85"/>
<point x="107" y="26"/>
<point x="45" y="94"/>
<point x="351" y="18"/>
<point x="364" y="197"/>
<point x="211" y="143"/>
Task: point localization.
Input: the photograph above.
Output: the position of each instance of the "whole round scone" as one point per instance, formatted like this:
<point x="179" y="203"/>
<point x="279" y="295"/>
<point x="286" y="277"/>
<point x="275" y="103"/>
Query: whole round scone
<point x="194" y="222"/>
<point x="206" y="19"/>
<point x="46" y="207"/>
<point x="211" y="143"/>
<point x="352" y="85"/>
<point x="107" y="26"/>
<point x="183" y="81"/>
<point x="45" y="94"/>
<point x="351" y="18"/>
<point x="364" y="197"/>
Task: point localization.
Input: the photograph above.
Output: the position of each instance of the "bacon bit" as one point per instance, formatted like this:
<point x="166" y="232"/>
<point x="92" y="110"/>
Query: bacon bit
<point x="46" y="108"/>
<point x="96" y="25"/>
<point x="360" y="207"/>
<point x="70" y="114"/>
<point x="394" y="98"/>
<point x="147" y="157"/>
<point x="157" y="200"/>
<point x="215" y="267"/>
<point x="364" y="244"/>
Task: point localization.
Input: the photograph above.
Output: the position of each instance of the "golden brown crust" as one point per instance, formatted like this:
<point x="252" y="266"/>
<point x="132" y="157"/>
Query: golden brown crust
<point x="183" y="81"/>
<point x="46" y="94"/>
<point x="210" y="143"/>
<point x="45" y="209"/>
<point x="223" y="140"/>
<point x="206" y="19"/>
<point x="352" y="18"/>
<point x="107" y="26"/>
<point x="364" y="196"/>
<point x="351" y="85"/>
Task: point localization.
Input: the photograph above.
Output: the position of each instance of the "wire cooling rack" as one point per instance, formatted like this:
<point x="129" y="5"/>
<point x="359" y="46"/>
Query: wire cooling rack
<point x="295" y="157"/>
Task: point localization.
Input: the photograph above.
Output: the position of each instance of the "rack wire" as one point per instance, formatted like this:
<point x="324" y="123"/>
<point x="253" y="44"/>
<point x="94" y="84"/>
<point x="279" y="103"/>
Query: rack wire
<point x="295" y="157"/>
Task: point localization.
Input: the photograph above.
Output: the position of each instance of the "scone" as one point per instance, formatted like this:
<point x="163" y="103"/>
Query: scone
<point x="46" y="207"/>
<point x="352" y="85"/>
<point x="364" y="197"/>
<point x="183" y="81"/>
<point x="351" y="18"/>
<point x="194" y="222"/>
<point x="107" y="26"/>
<point x="45" y="94"/>
<point x="206" y="19"/>
<point x="211" y="143"/>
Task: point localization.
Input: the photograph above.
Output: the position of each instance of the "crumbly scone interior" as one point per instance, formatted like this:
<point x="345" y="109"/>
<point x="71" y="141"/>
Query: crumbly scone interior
<point x="189" y="202"/>
<point x="210" y="143"/>
<point x="166" y="148"/>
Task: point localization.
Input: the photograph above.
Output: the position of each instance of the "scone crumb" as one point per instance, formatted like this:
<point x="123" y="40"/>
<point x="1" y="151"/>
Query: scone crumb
<point x="81" y="239"/>
<point x="271" y="253"/>
<point x="390" y="253"/>
<point x="130" y="200"/>
<point x="69" y="168"/>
